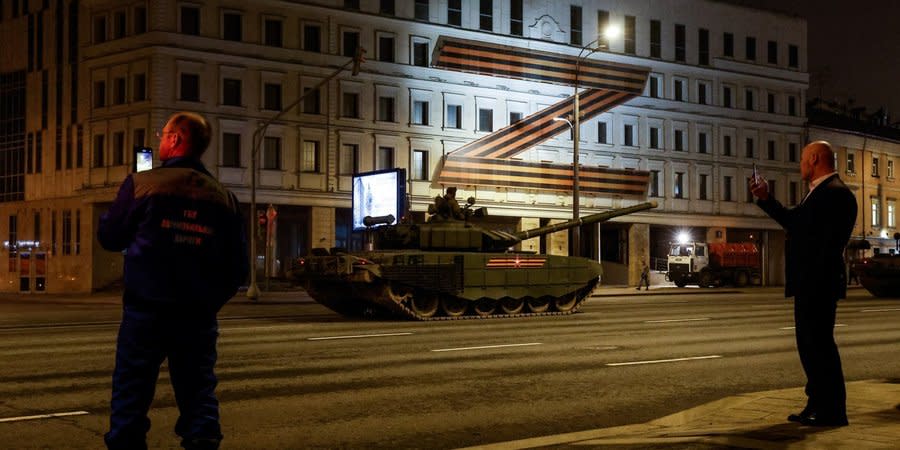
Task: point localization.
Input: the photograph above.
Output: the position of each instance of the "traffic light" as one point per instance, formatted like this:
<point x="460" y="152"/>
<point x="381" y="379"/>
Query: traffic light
<point x="261" y="221"/>
<point x="358" y="59"/>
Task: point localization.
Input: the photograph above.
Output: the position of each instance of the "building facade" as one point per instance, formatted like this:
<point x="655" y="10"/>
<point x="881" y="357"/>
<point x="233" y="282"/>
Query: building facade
<point x="83" y="82"/>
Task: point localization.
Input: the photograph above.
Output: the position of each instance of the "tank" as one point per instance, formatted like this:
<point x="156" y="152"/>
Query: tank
<point x="450" y="268"/>
<point x="880" y="274"/>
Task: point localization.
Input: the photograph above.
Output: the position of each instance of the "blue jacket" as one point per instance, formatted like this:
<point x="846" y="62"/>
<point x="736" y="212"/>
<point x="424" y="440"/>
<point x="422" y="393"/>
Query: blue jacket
<point x="183" y="234"/>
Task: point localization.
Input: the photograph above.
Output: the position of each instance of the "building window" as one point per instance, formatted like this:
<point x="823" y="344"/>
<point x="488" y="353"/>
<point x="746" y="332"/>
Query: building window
<point x="726" y="97"/>
<point x="750" y="49"/>
<point x="891" y="208"/>
<point x="231" y="92"/>
<point x="387" y="7"/>
<point x="351" y="5"/>
<point x="793" y="56"/>
<point x="679" y="43"/>
<point x="679" y="90"/>
<point x="118" y="150"/>
<point x="486" y="15"/>
<point x="748" y="100"/>
<point x="190" y="87"/>
<point x="679" y="185"/>
<point x="792" y="193"/>
<point x="140" y="20"/>
<point x="703" y="47"/>
<point x="630" y="35"/>
<point x="728" y="45"/>
<point x="137" y="139"/>
<point x="770" y="103"/>
<point x="66" y="231"/>
<point x="628" y="135"/>
<point x="420" y="54"/>
<point x="139" y="87"/>
<point x="190" y="20"/>
<point x="349" y="163"/>
<point x="655" y="39"/>
<point x="99" y="150"/>
<point x="272" y="33"/>
<point x="386" y="47"/>
<point x="702" y="89"/>
<point x="272" y="98"/>
<point x="875" y="167"/>
<point x="773" y="189"/>
<point x="99" y="94"/>
<point x="421" y="10"/>
<point x="602" y="26"/>
<point x="420" y="165"/>
<point x="655" y="86"/>
<point x="851" y="163"/>
<point x="890" y="169"/>
<point x="350" y="105"/>
<point x="384" y="158"/>
<point x="311" y="100"/>
<point x="231" y="149"/>
<point x="454" y="116"/>
<point x="232" y="26"/>
<point x="792" y="152"/>
<point x="679" y="140"/>
<point x="748" y="148"/>
<point x="792" y="105"/>
<point x="420" y="113"/>
<point x="386" y="109"/>
<point x="514" y="116"/>
<point x="119" y="24"/>
<point x="485" y="119"/>
<point x="309" y="158"/>
<point x="702" y="143"/>
<point x="773" y="52"/>
<point x="350" y="40"/>
<point x="576" y="21"/>
<point x="602" y="130"/>
<point x="515" y="17"/>
<point x="771" y="150"/>
<point x="312" y="37"/>
<point x="654" y="137"/>
<point x="703" y="195"/>
<point x="272" y="153"/>
<point x="99" y="28"/>
<point x="726" y="145"/>
<point x="654" y="183"/>
<point x="876" y="211"/>
<point x="454" y="12"/>
<point x="727" y="189"/>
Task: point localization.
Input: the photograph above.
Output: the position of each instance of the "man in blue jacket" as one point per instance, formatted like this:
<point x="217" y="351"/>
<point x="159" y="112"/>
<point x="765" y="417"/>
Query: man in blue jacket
<point x="817" y="230"/>
<point x="185" y="256"/>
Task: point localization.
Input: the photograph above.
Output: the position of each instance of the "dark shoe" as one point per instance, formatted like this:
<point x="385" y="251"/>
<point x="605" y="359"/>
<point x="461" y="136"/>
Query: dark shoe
<point x="819" y="420"/>
<point x="800" y="415"/>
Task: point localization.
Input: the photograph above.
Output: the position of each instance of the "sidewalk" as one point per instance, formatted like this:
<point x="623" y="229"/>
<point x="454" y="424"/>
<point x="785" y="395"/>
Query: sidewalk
<point x="756" y="420"/>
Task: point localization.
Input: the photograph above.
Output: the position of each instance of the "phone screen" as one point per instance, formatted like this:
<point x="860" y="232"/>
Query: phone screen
<point x="143" y="159"/>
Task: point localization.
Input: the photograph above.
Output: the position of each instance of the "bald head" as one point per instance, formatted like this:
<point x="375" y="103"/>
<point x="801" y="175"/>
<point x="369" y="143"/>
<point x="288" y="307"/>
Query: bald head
<point x="817" y="160"/>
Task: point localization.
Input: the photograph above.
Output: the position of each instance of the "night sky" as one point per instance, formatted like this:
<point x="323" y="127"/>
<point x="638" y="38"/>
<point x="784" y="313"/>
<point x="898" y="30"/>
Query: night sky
<point x="854" y="49"/>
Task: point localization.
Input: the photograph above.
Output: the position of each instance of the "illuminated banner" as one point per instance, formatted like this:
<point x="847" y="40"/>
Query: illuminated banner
<point x="486" y="161"/>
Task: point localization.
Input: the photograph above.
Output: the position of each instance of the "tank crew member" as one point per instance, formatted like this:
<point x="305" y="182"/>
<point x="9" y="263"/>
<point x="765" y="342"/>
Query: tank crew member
<point x="817" y="231"/>
<point x="453" y="206"/>
<point x="186" y="255"/>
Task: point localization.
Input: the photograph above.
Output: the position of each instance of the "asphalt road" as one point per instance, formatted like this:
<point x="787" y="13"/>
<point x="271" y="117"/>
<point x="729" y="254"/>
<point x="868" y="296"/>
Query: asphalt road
<point x="294" y="375"/>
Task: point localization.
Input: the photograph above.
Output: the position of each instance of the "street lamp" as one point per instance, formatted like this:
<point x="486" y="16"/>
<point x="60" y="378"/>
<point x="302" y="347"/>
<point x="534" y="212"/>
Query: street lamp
<point x="258" y="135"/>
<point x="608" y="33"/>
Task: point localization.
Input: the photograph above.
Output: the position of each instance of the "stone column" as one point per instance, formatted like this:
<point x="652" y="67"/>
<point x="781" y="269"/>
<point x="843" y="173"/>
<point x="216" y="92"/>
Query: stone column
<point x="321" y="227"/>
<point x="638" y="249"/>
<point x="558" y="243"/>
<point x="533" y="244"/>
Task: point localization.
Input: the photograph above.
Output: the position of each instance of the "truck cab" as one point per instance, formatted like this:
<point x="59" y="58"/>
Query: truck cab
<point x="686" y="261"/>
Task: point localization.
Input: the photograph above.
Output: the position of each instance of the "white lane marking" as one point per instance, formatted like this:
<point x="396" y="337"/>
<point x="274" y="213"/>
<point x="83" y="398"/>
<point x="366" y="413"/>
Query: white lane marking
<point x="881" y="310"/>
<point x="358" y="336"/>
<point x="481" y="347"/>
<point x="657" y="361"/>
<point x="43" y="416"/>
<point x="677" y="320"/>
<point x="835" y="325"/>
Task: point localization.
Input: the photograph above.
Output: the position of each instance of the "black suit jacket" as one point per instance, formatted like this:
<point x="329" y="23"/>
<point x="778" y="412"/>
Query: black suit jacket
<point x="817" y="230"/>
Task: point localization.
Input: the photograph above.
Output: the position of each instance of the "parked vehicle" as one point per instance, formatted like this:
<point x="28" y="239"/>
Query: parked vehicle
<point x="880" y="274"/>
<point x="714" y="264"/>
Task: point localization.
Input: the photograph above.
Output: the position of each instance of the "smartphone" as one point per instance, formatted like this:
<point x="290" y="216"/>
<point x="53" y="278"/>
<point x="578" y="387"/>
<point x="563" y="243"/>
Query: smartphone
<point x="143" y="158"/>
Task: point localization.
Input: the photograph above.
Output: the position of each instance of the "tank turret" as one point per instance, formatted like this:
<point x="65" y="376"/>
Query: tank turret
<point x="451" y="268"/>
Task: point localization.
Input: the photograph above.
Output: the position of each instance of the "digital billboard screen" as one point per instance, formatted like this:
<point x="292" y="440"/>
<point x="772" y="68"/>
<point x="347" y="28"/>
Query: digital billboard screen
<point x="378" y="193"/>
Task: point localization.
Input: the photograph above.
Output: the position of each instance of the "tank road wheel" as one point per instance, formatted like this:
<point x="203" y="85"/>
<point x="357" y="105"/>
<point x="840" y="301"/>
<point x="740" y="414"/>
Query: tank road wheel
<point x="398" y="294"/>
<point x="485" y="307"/>
<point x="454" y="306"/>
<point x="538" y="305"/>
<point x="424" y="305"/>
<point x="512" y="305"/>
<point x="566" y="302"/>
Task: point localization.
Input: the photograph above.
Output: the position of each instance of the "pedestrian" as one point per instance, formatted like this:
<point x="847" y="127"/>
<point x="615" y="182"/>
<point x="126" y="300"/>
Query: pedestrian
<point x="185" y="256"/>
<point x="645" y="275"/>
<point x="817" y="231"/>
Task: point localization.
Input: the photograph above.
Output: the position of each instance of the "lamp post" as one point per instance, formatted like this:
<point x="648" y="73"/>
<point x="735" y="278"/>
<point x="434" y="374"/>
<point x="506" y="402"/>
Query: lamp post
<point x="258" y="135"/>
<point x="575" y="124"/>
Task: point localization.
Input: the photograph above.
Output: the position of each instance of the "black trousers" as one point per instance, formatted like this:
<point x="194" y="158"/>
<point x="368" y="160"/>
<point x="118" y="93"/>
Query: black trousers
<point x="814" y="318"/>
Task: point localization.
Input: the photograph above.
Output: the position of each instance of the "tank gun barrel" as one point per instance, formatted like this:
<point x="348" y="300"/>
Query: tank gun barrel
<point x="586" y="220"/>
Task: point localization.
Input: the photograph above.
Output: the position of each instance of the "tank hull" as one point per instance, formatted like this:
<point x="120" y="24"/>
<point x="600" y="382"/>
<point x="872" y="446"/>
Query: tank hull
<point x="448" y="285"/>
<point x="880" y="275"/>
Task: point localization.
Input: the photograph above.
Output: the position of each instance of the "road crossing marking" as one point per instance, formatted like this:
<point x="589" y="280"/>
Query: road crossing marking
<point x="481" y="347"/>
<point x="357" y="336"/>
<point x="835" y="325"/>
<point x="43" y="416"/>
<point x="657" y="361"/>
<point x="881" y="310"/>
<point x="677" y="320"/>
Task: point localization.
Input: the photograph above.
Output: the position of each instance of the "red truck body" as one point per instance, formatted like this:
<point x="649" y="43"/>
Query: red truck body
<point x="734" y="254"/>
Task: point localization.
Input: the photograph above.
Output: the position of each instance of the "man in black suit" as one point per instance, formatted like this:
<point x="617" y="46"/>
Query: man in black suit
<point x="817" y="230"/>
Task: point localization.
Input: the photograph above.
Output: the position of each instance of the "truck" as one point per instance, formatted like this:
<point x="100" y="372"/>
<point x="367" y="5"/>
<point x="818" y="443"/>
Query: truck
<point x="714" y="264"/>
